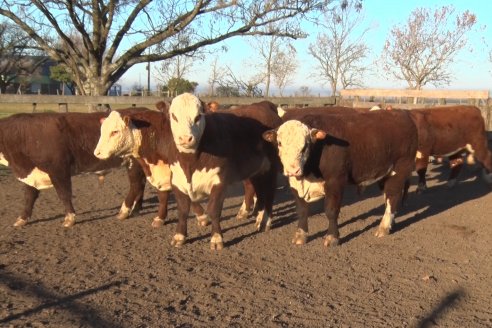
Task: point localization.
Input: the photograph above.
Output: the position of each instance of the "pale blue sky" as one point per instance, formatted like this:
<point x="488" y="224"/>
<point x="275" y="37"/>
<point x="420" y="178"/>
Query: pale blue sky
<point x="471" y="70"/>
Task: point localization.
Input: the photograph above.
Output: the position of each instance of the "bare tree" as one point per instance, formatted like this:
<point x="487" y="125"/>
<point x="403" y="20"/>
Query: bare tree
<point x="14" y="49"/>
<point x="240" y="87"/>
<point x="340" y="49"/>
<point x="116" y="34"/>
<point x="303" y="91"/>
<point x="216" y="75"/>
<point x="284" y="67"/>
<point x="420" y="51"/>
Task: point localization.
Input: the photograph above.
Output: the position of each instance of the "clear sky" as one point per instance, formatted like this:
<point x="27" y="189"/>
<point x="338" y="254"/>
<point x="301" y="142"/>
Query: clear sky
<point x="472" y="68"/>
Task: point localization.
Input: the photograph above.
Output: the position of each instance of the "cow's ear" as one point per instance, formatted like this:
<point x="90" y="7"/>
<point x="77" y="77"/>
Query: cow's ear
<point x="270" y="135"/>
<point x="127" y="120"/>
<point x="203" y="107"/>
<point x="101" y="120"/>
<point x="162" y="106"/>
<point x="317" y="135"/>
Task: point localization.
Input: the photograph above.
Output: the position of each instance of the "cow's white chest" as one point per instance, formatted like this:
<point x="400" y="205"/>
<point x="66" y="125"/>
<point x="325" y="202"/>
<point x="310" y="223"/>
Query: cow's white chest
<point x="38" y="179"/>
<point x="3" y="160"/>
<point x="160" y="176"/>
<point x="202" y="181"/>
<point x="310" y="190"/>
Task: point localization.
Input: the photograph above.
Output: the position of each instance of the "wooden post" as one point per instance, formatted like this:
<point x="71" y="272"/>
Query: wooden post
<point x="34" y="107"/>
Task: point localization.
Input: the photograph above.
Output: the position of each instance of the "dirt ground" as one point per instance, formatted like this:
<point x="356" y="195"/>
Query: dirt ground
<point x="435" y="269"/>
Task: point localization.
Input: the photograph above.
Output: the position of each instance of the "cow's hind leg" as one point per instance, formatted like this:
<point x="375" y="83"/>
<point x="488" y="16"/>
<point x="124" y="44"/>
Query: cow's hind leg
<point x="394" y="188"/>
<point x="455" y="165"/>
<point x="30" y="196"/>
<point x="421" y="164"/>
<point x="63" y="187"/>
<point x="249" y="201"/>
<point x="264" y="185"/>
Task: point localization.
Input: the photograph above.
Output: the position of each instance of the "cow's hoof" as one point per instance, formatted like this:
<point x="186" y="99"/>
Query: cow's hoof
<point x="122" y="216"/>
<point x="242" y="215"/>
<point x="331" y="241"/>
<point x="203" y="220"/>
<point x="157" y="222"/>
<point x="216" y="243"/>
<point x="300" y="237"/>
<point x="381" y="232"/>
<point x="178" y="240"/>
<point x="20" y="222"/>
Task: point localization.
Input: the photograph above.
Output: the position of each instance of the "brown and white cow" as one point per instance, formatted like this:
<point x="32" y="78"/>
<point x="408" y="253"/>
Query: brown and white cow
<point x="451" y="132"/>
<point x="44" y="150"/>
<point x="322" y="151"/>
<point x="217" y="149"/>
<point x="146" y="137"/>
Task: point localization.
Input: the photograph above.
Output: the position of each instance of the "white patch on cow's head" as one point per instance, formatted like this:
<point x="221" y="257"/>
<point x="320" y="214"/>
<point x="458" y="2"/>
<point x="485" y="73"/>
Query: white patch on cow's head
<point x="117" y="138"/>
<point x="3" y="160"/>
<point x="294" y="140"/>
<point x="187" y="122"/>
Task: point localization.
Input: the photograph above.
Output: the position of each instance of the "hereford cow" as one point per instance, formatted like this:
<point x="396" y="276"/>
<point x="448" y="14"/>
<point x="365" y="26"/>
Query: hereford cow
<point x="44" y="150"/>
<point x="321" y="152"/>
<point x="146" y="137"/>
<point x="451" y="132"/>
<point x="217" y="149"/>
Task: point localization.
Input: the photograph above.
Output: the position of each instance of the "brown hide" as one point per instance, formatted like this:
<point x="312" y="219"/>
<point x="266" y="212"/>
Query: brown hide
<point x="62" y="145"/>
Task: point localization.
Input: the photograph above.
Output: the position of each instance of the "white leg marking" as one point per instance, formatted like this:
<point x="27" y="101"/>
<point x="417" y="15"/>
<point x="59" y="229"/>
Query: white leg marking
<point x="216" y="242"/>
<point x="20" y="222"/>
<point x="386" y="222"/>
<point x="260" y="218"/>
<point x="124" y="212"/>
<point x="203" y="220"/>
<point x="157" y="222"/>
<point x="178" y="240"/>
<point x="300" y="237"/>
<point x="69" y="220"/>
<point x="242" y="214"/>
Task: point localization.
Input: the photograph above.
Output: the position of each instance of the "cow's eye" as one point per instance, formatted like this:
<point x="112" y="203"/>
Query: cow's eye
<point x="113" y="133"/>
<point x="197" y="118"/>
<point x="174" y="117"/>
<point x="304" y="148"/>
<point x="279" y="144"/>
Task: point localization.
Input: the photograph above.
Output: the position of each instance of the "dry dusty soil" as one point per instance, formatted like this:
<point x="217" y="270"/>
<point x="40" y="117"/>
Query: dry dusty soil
<point x="435" y="269"/>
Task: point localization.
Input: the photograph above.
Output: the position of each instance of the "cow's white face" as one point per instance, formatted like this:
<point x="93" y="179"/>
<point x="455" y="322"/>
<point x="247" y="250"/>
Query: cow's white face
<point x="294" y="140"/>
<point x="116" y="137"/>
<point x="187" y="122"/>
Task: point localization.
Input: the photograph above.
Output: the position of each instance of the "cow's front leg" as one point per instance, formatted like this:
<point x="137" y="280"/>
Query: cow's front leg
<point x="63" y="187"/>
<point x="183" y="204"/>
<point x="30" y="196"/>
<point x="163" y="196"/>
<point x="333" y="202"/>
<point x="302" y="209"/>
<point x="214" y="209"/>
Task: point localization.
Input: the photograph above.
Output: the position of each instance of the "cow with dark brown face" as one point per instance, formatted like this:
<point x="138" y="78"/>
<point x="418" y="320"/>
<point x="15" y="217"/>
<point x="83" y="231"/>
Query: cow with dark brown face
<point x="44" y="150"/>
<point x="217" y="149"/>
<point x="321" y="152"/>
<point x="451" y="132"/>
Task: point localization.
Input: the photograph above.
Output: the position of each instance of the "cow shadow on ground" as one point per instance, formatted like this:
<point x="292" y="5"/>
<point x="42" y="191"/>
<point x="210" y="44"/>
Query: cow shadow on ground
<point x="88" y="315"/>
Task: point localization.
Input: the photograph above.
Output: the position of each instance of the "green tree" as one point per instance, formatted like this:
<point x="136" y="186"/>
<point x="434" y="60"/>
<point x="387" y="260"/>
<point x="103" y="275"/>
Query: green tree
<point x="177" y="86"/>
<point x="60" y="73"/>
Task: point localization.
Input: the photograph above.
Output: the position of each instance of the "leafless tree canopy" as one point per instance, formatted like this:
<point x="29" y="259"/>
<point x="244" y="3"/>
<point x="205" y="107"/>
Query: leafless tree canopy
<point x="339" y="49"/>
<point x="284" y="67"/>
<point x="116" y="34"/>
<point x="420" y="51"/>
<point x="14" y="46"/>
